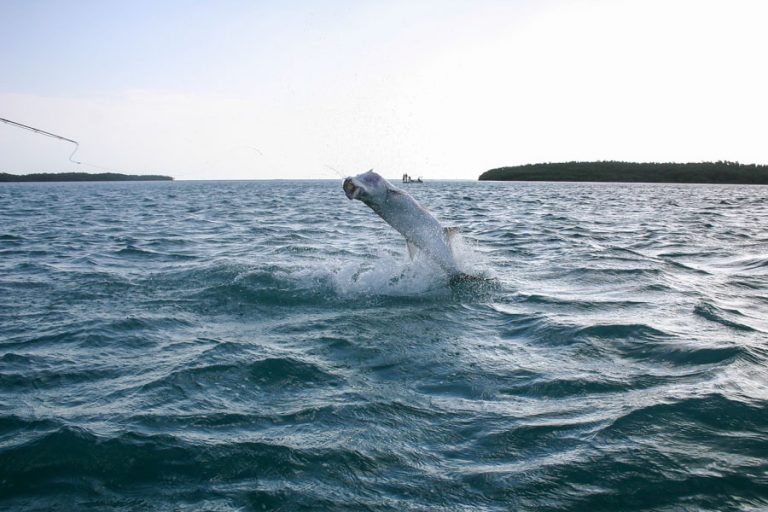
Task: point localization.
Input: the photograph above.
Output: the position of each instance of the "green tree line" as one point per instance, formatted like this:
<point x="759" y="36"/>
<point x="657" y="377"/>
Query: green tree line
<point x="614" y="171"/>
<point x="80" y="176"/>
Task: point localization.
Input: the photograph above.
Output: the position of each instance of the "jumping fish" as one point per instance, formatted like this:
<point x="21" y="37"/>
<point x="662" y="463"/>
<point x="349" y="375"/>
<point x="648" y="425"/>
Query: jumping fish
<point x="422" y="231"/>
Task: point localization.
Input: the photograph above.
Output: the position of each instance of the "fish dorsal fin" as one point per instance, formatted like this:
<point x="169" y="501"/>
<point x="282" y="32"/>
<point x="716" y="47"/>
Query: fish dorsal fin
<point x="412" y="249"/>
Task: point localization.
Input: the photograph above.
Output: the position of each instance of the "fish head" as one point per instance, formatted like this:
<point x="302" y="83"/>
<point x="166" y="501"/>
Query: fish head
<point x="368" y="187"/>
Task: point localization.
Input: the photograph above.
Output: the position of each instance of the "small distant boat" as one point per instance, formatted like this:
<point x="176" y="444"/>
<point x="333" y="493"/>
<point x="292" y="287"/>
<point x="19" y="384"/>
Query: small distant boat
<point x="408" y="179"/>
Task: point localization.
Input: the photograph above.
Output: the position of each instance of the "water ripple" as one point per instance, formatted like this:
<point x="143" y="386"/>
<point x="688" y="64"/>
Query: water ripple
<point x="227" y="346"/>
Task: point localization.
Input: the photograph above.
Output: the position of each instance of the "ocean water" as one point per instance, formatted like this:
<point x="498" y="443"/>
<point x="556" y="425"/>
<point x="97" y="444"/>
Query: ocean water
<point x="232" y="346"/>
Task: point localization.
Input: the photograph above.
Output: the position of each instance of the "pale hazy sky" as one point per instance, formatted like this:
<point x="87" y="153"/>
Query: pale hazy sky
<point x="440" y="89"/>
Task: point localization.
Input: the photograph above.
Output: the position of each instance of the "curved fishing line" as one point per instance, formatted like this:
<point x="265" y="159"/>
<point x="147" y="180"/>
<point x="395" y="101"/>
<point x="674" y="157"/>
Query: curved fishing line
<point x="49" y="134"/>
<point x="77" y="146"/>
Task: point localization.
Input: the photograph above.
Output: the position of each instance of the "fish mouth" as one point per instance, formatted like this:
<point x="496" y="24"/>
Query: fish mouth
<point x="351" y="189"/>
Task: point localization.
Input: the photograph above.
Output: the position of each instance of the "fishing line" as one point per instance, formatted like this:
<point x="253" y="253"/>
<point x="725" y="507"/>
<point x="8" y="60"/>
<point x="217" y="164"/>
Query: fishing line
<point x="49" y="134"/>
<point x="77" y="145"/>
<point x="336" y="171"/>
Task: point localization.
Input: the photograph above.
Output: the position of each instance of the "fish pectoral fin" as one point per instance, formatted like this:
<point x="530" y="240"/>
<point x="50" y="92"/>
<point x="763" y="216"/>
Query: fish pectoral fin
<point x="450" y="234"/>
<point x="412" y="249"/>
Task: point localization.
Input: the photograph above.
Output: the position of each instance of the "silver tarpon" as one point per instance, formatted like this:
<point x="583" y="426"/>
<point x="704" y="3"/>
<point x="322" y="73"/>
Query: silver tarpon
<point x="421" y="230"/>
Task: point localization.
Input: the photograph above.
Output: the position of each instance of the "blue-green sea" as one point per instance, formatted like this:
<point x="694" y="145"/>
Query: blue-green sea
<point x="238" y="346"/>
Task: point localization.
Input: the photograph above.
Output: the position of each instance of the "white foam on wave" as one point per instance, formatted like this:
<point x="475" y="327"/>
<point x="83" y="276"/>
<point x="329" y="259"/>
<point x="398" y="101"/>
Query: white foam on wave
<point x="391" y="274"/>
<point x="389" y="277"/>
<point x="385" y="272"/>
<point x="469" y="259"/>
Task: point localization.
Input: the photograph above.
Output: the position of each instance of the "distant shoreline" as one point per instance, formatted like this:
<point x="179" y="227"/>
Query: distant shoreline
<point x="732" y="173"/>
<point x="79" y="176"/>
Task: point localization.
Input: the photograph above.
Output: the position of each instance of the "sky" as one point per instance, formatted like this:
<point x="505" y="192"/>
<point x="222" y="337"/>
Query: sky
<point x="323" y="89"/>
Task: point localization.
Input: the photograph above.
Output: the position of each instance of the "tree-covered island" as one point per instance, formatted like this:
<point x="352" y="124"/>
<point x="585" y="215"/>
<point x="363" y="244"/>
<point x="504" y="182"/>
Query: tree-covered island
<point x="613" y="171"/>
<point x="80" y="176"/>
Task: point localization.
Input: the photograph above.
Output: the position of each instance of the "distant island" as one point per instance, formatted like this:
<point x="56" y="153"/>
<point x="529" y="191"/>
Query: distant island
<point x="612" y="171"/>
<point x="81" y="176"/>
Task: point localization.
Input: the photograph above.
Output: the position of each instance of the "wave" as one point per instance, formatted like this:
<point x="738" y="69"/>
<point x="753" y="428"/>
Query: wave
<point x="27" y="374"/>
<point x="139" y="253"/>
<point x="752" y="263"/>
<point x="731" y="318"/>
<point x="241" y="288"/>
<point x="713" y="418"/>
<point x="581" y="304"/>
<point x="279" y="374"/>
<point x="646" y="343"/>
<point x="634" y="341"/>
<point x="73" y="463"/>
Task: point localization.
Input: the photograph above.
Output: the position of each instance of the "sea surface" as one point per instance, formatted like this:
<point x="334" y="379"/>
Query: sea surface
<point x="237" y="346"/>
